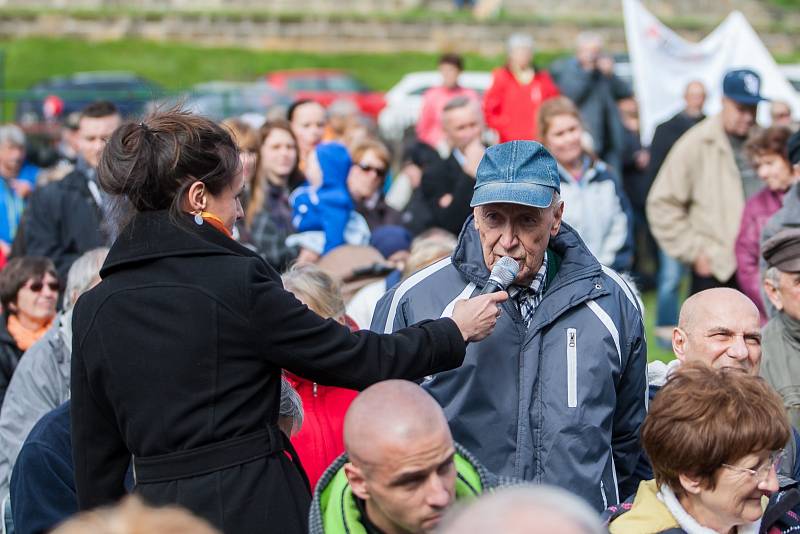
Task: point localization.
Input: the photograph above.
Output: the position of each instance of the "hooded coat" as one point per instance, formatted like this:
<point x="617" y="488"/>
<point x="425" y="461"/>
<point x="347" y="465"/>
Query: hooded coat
<point x="328" y="206"/>
<point x="177" y="358"/>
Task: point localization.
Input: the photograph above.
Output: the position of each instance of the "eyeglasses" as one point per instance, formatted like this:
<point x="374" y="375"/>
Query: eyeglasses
<point x="38" y="285"/>
<point x="762" y="473"/>
<point x="367" y="168"/>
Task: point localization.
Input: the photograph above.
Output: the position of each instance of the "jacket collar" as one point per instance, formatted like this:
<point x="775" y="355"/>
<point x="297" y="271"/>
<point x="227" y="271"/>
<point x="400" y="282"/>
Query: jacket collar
<point x="714" y="133"/>
<point x="576" y="260"/>
<point x="334" y="509"/>
<point x="154" y="234"/>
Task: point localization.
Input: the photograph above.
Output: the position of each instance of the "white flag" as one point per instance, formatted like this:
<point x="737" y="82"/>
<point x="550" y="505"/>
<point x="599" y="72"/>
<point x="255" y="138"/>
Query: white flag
<point x="662" y="63"/>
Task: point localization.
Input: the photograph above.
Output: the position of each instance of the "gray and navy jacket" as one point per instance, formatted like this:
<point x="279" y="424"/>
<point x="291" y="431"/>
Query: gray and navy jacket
<point x="560" y="402"/>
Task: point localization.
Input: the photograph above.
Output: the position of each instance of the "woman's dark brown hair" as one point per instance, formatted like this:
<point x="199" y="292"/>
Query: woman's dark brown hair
<point x="152" y="163"/>
<point x="16" y="274"/>
<point x="258" y="187"/>
<point x="704" y="417"/>
<point x="773" y="140"/>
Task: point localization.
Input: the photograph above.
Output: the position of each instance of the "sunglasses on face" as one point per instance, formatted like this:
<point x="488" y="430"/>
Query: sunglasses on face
<point x="38" y="285"/>
<point x="369" y="168"/>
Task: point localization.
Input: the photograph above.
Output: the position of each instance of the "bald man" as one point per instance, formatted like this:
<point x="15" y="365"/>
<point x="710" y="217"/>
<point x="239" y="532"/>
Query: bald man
<point x="526" y="510"/>
<point x="722" y="328"/>
<point x="401" y="469"/>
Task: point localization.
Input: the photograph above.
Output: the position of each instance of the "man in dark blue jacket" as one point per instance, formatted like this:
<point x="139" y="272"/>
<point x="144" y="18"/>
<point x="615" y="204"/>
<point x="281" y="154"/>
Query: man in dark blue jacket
<point x="43" y="482"/>
<point x="67" y="218"/>
<point x="558" y="392"/>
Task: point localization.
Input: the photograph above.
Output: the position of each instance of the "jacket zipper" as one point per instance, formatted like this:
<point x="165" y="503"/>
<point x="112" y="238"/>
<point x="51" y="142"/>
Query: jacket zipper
<point x="572" y="368"/>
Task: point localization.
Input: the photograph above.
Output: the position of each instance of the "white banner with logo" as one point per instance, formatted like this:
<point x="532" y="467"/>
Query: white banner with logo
<point x="662" y="63"/>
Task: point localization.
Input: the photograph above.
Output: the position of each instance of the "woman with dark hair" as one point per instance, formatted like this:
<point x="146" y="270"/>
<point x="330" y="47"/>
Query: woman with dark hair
<point x="178" y="352"/>
<point x="29" y="293"/>
<point x="767" y="151"/>
<point x="269" y="215"/>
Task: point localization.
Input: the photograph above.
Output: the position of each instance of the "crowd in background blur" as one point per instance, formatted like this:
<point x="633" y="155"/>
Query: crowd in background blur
<point x="347" y="216"/>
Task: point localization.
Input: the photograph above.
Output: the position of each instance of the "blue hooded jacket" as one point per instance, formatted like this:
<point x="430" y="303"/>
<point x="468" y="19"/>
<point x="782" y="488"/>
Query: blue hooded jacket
<point x="327" y="207"/>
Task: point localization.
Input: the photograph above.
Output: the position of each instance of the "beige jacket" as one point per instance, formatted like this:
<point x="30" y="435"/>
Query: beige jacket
<point x="695" y="204"/>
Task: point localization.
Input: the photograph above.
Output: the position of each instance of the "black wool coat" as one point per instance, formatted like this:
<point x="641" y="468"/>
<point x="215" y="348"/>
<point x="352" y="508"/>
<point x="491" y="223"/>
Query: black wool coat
<point x="181" y="346"/>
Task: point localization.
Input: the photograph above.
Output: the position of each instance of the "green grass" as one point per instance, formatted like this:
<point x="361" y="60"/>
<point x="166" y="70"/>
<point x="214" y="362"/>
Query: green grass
<point x="178" y="66"/>
<point x="654" y="351"/>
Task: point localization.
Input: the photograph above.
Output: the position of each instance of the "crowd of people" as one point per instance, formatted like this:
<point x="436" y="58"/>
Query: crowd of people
<point x="190" y="310"/>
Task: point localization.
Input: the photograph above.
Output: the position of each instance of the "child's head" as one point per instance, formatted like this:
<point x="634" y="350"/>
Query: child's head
<point x="332" y="163"/>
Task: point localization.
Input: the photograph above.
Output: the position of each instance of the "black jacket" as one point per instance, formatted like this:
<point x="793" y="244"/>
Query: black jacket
<point x="440" y="179"/>
<point x="63" y="221"/>
<point x="10" y="354"/>
<point x="181" y="346"/>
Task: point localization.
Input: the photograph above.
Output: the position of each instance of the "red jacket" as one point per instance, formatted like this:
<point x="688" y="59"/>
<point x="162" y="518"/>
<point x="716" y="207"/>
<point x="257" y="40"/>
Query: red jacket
<point x="320" y="440"/>
<point x="511" y="108"/>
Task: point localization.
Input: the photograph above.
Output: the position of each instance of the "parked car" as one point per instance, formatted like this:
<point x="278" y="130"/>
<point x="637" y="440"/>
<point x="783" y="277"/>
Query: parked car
<point x="60" y="96"/>
<point x="404" y="100"/>
<point x="325" y="86"/>
<point x="220" y="99"/>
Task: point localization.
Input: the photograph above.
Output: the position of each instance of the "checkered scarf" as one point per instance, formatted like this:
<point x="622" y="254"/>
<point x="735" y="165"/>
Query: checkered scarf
<point x="528" y="298"/>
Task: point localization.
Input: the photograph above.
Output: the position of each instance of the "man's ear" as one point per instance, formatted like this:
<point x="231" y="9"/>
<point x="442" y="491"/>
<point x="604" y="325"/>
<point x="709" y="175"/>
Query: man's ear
<point x="358" y="484"/>
<point x="679" y="340"/>
<point x="476" y="212"/>
<point x="773" y="294"/>
<point x="558" y="214"/>
<point x="691" y="485"/>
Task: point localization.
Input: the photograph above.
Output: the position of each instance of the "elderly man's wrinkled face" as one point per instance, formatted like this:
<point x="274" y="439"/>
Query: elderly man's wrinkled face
<point x="722" y="329"/>
<point x="520" y="232"/>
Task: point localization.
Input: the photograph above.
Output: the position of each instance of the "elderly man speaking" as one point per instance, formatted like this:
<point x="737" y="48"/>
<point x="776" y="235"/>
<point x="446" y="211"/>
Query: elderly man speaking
<point x="558" y="392"/>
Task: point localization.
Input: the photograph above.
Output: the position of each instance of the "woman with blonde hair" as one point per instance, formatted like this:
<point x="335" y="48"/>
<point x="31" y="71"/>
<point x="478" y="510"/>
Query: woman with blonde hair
<point x="598" y="207"/>
<point x="320" y="441"/>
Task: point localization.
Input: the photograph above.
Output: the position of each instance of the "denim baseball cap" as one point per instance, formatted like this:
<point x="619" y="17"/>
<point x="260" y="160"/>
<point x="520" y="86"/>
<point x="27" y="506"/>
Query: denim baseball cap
<point x="743" y="86"/>
<point x="517" y="172"/>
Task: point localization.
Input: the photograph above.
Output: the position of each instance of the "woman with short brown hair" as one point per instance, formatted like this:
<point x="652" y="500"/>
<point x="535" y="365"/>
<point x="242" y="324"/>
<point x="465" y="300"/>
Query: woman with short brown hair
<point x="767" y="151"/>
<point x="715" y="439"/>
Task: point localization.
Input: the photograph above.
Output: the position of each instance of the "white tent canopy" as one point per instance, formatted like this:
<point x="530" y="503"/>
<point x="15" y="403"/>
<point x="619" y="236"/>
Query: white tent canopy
<point x="662" y="63"/>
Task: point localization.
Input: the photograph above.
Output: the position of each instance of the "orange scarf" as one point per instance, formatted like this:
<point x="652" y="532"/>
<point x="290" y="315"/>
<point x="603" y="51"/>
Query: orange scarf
<point x="22" y="336"/>
<point x="216" y="222"/>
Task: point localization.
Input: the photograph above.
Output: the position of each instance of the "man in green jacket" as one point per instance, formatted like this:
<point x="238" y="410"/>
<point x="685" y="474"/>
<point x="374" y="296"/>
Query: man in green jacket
<point x="401" y="470"/>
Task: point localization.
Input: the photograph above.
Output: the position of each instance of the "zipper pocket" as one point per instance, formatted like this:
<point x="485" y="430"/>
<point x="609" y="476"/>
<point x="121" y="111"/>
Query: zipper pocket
<point x="572" y="368"/>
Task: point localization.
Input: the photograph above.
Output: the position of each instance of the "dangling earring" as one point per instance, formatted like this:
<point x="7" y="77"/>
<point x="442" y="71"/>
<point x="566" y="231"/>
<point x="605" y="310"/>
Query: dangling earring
<point x="198" y="219"/>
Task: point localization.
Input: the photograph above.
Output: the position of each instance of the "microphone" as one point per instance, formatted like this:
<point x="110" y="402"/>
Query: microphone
<point x="503" y="274"/>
